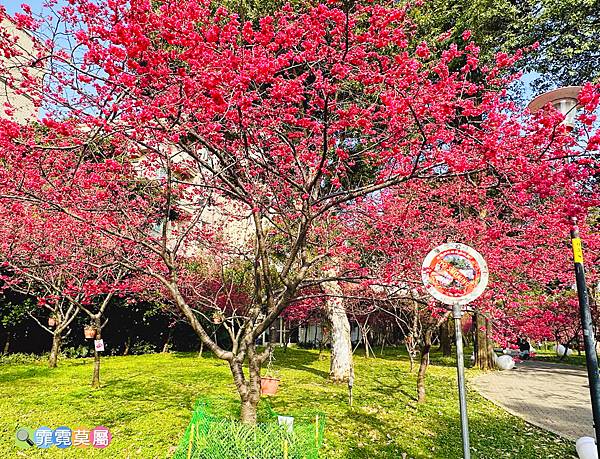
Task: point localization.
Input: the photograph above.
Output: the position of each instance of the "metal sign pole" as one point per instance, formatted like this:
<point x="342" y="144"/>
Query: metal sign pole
<point x="460" y="368"/>
<point x="456" y="274"/>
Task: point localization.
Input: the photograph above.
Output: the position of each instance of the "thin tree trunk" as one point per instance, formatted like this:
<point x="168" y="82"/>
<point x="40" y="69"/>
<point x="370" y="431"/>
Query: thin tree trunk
<point x="475" y="340"/>
<point x="411" y="339"/>
<point x="96" y="375"/>
<point x="467" y="332"/>
<point x="340" y="364"/>
<point x="445" y="339"/>
<point x="491" y="361"/>
<point x="7" y="343"/>
<point x="481" y="356"/>
<point x="423" y="367"/>
<point x="565" y="352"/>
<point x="201" y="348"/>
<point x="55" y="350"/>
<point x="127" y="346"/>
<point x="409" y="348"/>
<point x="566" y="346"/>
<point x="321" y="343"/>
<point x="365" y="334"/>
<point x="285" y="334"/>
<point x="167" y="344"/>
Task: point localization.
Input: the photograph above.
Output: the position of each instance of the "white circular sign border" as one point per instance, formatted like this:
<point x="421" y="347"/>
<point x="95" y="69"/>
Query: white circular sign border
<point x="461" y="300"/>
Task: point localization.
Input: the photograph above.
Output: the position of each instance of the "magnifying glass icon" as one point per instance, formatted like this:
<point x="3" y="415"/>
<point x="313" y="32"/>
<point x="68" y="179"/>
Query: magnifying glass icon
<point x="23" y="435"/>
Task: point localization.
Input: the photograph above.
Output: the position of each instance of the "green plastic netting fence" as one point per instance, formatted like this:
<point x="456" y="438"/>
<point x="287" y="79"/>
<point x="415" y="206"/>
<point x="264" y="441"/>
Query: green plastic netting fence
<point x="209" y="437"/>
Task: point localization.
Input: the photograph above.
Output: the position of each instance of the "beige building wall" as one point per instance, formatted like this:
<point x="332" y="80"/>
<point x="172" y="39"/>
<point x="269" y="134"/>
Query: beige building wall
<point x="23" y="107"/>
<point x="234" y="227"/>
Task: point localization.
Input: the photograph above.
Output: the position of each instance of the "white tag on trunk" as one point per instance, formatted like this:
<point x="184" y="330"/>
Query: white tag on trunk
<point x="99" y="344"/>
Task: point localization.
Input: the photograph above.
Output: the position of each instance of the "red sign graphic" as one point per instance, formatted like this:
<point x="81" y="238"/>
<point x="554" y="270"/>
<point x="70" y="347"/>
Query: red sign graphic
<point x="454" y="273"/>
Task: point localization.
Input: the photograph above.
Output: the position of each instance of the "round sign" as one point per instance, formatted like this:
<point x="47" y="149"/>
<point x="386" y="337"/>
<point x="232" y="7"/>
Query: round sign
<point x="454" y="273"/>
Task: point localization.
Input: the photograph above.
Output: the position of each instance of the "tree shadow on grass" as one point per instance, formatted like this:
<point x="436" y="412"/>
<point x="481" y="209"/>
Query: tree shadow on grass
<point x="391" y="354"/>
<point x="295" y="359"/>
<point x="321" y="373"/>
<point x="8" y="374"/>
<point x="400" y="386"/>
<point x="491" y="437"/>
<point x="298" y="355"/>
<point x="436" y="357"/>
<point x="300" y="359"/>
<point x="207" y="355"/>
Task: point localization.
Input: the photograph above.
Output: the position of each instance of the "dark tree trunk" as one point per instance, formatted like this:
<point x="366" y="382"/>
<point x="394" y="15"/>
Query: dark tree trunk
<point x="484" y="348"/>
<point x="7" y="343"/>
<point x="564" y="354"/>
<point x="475" y="341"/>
<point x="321" y="344"/>
<point x="423" y="367"/>
<point x="55" y="350"/>
<point x="96" y="375"/>
<point x="480" y="336"/>
<point x="566" y="346"/>
<point x="491" y="361"/>
<point x="445" y="339"/>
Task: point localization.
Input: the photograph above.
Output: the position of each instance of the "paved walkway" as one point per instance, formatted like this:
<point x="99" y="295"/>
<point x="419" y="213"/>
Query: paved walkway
<point x="552" y="396"/>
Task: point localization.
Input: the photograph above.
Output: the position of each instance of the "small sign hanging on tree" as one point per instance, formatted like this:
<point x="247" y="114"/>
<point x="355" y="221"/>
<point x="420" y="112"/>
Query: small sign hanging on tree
<point x="454" y="273"/>
<point x="99" y="345"/>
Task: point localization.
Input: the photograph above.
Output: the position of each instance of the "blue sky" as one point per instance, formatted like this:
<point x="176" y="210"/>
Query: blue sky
<point x="12" y="6"/>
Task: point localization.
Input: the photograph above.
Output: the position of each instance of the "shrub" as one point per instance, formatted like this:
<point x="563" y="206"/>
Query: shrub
<point x="20" y="358"/>
<point x="75" y="352"/>
<point x="142" y="347"/>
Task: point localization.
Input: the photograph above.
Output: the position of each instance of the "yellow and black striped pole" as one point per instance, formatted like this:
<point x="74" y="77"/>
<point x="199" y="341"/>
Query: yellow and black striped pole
<point x="589" y="339"/>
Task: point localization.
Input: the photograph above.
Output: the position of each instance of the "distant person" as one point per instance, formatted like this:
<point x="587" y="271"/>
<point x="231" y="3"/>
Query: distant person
<point x="524" y="348"/>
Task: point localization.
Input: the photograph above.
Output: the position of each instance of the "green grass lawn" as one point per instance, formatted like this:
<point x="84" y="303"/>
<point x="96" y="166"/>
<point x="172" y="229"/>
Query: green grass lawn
<point x="549" y="355"/>
<point x="147" y="400"/>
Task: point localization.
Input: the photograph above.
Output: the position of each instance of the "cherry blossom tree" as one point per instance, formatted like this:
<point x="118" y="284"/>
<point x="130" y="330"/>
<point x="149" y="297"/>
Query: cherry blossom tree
<point x="69" y="270"/>
<point x="177" y="131"/>
<point x="517" y="218"/>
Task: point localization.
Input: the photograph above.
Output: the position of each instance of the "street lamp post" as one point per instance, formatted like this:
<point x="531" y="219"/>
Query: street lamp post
<point x="589" y="340"/>
<point x="565" y="100"/>
<point x="562" y="99"/>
